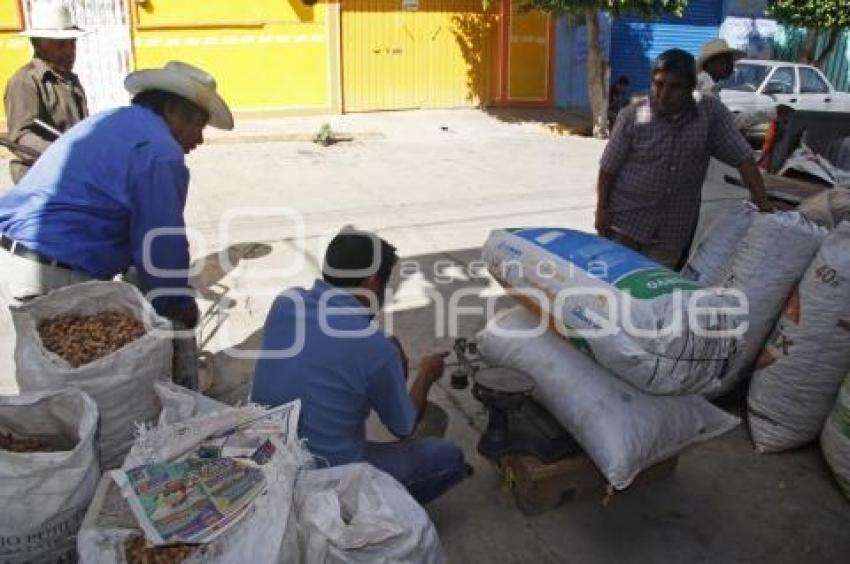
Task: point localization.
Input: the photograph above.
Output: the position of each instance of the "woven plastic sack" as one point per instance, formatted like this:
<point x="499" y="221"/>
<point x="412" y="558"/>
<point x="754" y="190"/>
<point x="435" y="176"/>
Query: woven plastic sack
<point x="622" y="429"/>
<point x="829" y="208"/>
<point x="835" y="438"/>
<point x="767" y="265"/>
<point x="44" y="495"/>
<point x="356" y="513"/>
<point x="710" y="259"/>
<point x="806" y="358"/>
<point x="647" y="324"/>
<point x="267" y="535"/>
<point x="121" y="383"/>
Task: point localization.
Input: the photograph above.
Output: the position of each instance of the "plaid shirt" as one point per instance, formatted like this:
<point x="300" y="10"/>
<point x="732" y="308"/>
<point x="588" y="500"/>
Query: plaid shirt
<point x="660" y="163"/>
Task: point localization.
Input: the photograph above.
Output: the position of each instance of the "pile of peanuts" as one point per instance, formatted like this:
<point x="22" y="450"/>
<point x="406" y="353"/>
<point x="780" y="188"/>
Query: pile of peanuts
<point x="81" y="339"/>
<point x="12" y="443"/>
<point x="137" y="551"/>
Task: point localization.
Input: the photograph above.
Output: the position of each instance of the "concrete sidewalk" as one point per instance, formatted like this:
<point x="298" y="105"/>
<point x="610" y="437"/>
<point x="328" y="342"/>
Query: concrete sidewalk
<point x="435" y="183"/>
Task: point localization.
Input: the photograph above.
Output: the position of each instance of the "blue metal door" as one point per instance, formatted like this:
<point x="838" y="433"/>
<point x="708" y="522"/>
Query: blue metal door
<point x="635" y="43"/>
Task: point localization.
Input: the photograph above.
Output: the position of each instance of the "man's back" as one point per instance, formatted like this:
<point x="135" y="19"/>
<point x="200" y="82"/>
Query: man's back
<point x="332" y="357"/>
<point x="79" y="201"/>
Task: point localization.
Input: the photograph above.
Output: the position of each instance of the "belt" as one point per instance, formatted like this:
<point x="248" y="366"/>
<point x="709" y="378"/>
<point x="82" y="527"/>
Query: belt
<point x="20" y="250"/>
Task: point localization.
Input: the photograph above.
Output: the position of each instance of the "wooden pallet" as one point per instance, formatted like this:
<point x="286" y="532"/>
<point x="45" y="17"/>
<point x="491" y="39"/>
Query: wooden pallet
<point x="538" y="487"/>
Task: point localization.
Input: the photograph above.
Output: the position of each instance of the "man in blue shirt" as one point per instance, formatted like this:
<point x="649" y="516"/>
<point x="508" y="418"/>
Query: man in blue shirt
<point x="110" y="193"/>
<point x="322" y="346"/>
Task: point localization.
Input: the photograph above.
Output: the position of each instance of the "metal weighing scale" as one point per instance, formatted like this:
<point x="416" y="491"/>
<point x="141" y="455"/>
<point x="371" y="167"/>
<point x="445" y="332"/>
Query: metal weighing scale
<point x="517" y="424"/>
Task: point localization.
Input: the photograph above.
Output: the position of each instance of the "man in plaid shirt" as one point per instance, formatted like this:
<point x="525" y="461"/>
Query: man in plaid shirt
<point x="652" y="170"/>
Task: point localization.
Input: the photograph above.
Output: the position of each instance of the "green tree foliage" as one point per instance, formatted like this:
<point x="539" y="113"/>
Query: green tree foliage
<point x="646" y="9"/>
<point x="823" y="14"/>
<point x="831" y="16"/>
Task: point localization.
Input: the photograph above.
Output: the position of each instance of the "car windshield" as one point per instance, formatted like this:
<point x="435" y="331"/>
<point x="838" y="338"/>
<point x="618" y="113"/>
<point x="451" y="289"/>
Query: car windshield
<point x="746" y="77"/>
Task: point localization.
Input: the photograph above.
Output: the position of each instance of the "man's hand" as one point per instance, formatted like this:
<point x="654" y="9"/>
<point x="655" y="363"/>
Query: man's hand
<point x="752" y="178"/>
<point x="405" y="363"/>
<point x="185" y="313"/>
<point x="765" y="205"/>
<point x="602" y="225"/>
<point x="433" y="366"/>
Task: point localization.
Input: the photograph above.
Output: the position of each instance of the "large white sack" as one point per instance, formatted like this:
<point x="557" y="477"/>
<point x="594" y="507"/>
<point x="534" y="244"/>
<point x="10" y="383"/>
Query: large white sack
<point x="267" y="535"/>
<point x="835" y="438"/>
<point x="622" y="429"/>
<point x="801" y="368"/>
<point x="829" y="208"/>
<point x="710" y="259"/>
<point x="632" y="315"/>
<point x="120" y="383"/>
<point x="356" y="513"/>
<point x="768" y="262"/>
<point x="44" y="495"/>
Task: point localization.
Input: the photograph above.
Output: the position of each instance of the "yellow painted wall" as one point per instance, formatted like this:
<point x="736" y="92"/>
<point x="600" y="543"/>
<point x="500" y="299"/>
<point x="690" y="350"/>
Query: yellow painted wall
<point x="441" y="54"/>
<point x="529" y="51"/>
<point x="14" y="49"/>
<point x="266" y="55"/>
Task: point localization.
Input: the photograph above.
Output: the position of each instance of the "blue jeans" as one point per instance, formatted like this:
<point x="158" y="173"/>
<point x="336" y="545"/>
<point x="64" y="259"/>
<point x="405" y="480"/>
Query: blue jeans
<point x="426" y="467"/>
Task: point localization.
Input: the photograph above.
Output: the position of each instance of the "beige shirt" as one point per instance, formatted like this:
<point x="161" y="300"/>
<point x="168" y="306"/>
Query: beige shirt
<point x="38" y="92"/>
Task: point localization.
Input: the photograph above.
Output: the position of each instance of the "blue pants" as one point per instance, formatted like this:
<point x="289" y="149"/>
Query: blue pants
<point x="426" y="467"/>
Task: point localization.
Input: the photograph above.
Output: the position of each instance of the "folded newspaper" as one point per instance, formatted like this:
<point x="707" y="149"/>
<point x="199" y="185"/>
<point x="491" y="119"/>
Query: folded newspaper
<point x="210" y="476"/>
<point x="192" y="501"/>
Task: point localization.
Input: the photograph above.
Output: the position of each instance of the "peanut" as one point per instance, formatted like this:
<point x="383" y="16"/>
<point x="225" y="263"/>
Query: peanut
<point x="81" y="339"/>
<point x="137" y="551"/>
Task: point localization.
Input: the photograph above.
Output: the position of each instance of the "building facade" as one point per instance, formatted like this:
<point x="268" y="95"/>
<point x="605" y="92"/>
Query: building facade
<point x="280" y="57"/>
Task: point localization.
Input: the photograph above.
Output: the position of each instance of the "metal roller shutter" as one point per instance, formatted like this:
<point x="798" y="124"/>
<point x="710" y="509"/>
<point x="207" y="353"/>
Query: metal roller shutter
<point x="636" y="43"/>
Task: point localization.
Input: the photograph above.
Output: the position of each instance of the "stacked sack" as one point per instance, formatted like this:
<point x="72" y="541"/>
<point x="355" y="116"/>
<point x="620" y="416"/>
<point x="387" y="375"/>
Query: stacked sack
<point x="835" y="438"/>
<point x="120" y="382"/>
<point x="647" y="324"/>
<point x="764" y="264"/>
<point x="801" y="368"/>
<point x="265" y="535"/>
<point x="622" y="429"/>
<point x="641" y="403"/>
<point x="48" y="473"/>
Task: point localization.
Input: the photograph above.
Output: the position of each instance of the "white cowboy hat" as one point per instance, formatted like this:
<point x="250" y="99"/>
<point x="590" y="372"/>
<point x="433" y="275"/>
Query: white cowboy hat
<point x="187" y="81"/>
<point x="52" y="21"/>
<point x="717" y="47"/>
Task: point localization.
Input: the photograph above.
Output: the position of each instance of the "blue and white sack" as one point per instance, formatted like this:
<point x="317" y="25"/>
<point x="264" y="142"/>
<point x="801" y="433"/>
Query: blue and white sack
<point x="647" y="324"/>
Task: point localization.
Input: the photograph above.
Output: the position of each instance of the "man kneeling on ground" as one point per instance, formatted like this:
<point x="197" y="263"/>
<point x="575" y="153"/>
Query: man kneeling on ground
<point x="322" y="346"/>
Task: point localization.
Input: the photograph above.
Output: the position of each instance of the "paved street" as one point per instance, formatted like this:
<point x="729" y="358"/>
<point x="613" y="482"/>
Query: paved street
<point x="434" y="183"/>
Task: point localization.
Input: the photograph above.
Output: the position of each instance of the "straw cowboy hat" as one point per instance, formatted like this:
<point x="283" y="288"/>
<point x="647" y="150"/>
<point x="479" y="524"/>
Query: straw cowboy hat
<point x="187" y="81"/>
<point x="52" y="21"/>
<point x="714" y="48"/>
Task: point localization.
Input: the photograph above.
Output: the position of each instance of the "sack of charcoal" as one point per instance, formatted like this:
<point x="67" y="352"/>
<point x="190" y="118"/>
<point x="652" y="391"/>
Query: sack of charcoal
<point x="48" y="473"/>
<point x="105" y="339"/>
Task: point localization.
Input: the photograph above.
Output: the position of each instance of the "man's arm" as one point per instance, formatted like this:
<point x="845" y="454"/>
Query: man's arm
<point x="430" y="370"/>
<point x="728" y="145"/>
<point x="603" y="190"/>
<point x="751" y="176"/>
<point x="21" y="101"/>
<point x="399" y="408"/>
<point x="613" y="159"/>
<point x="158" y="238"/>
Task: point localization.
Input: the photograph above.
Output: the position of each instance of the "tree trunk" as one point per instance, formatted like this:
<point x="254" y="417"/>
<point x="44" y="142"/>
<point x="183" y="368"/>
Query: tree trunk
<point x="834" y="35"/>
<point x="597" y="76"/>
<point x="807" y="51"/>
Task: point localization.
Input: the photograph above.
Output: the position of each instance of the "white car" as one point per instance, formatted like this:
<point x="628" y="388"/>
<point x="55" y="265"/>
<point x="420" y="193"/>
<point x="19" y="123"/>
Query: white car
<point x="759" y="86"/>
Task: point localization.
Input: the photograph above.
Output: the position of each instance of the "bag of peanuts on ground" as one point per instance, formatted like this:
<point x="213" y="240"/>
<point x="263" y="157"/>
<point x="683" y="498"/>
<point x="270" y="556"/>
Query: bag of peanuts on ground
<point x="105" y="339"/>
<point x="48" y="474"/>
<point x="189" y="426"/>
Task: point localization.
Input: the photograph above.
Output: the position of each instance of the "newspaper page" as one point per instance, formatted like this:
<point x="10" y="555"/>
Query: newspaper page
<point x="197" y="495"/>
<point x="192" y="501"/>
